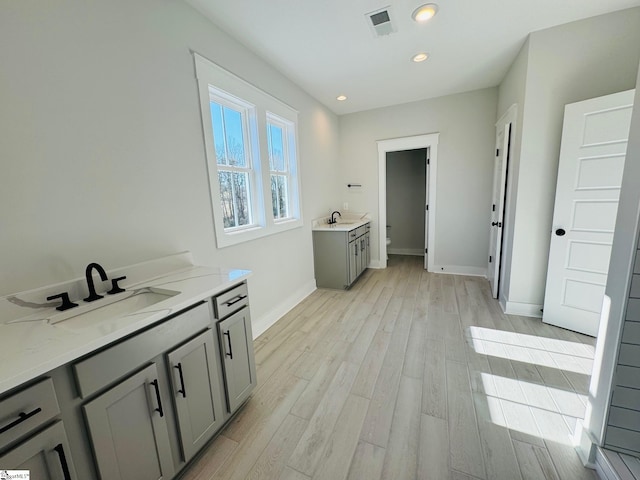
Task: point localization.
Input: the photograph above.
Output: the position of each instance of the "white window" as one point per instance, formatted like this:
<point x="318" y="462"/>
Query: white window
<point x="282" y="166"/>
<point x="251" y="149"/>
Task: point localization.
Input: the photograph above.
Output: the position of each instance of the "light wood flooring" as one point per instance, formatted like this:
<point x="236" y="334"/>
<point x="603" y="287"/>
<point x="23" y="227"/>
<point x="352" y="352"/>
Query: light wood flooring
<point x="409" y="375"/>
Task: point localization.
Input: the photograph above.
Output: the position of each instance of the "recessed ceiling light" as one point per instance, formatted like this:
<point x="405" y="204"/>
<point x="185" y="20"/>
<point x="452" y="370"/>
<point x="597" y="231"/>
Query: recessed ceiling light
<point x="424" y="12"/>
<point x="420" y="57"/>
<point x="341" y="98"/>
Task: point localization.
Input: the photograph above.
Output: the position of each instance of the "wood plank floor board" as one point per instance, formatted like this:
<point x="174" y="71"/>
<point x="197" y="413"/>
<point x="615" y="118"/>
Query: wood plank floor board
<point x="414" y="357"/>
<point x="365" y="382"/>
<point x="308" y="453"/>
<point x="253" y="443"/>
<point x="271" y="463"/>
<point x="401" y="459"/>
<point x="409" y="374"/>
<point x="433" y="461"/>
<point x="434" y="384"/>
<point x="465" y="451"/>
<point x="367" y="462"/>
<point x="338" y="454"/>
<point x="535" y="462"/>
<point x="380" y="413"/>
<point x="497" y="447"/>
<point x="211" y="459"/>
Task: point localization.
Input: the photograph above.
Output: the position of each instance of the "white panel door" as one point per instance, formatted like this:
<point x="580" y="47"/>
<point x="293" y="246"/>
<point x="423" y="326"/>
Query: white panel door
<point x="592" y="154"/>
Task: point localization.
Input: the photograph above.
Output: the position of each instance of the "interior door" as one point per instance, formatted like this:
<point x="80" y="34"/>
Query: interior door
<point x="503" y="134"/>
<point x="592" y="155"/>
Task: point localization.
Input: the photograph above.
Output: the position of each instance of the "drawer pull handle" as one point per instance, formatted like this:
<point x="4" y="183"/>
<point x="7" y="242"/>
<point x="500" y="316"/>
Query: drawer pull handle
<point x="235" y="300"/>
<point x="157" y="388"/>
<point x="63" y="461"/>
<point x="230" y="352"/>
<point x="182" y="391"/>
<point x="21" y="418"/>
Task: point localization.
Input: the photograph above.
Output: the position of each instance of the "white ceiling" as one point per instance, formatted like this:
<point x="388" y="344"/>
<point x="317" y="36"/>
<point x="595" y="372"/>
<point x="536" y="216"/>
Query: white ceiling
<point x="328" y="48"/>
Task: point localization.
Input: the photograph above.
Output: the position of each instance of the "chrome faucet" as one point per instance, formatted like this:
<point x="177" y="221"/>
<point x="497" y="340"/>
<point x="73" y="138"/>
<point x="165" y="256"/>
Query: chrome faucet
<point x="92" y="289"/>
<point x="333" y="220"/>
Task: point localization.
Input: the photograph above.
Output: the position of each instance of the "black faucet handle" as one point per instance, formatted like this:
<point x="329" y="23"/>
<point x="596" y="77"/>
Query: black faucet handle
<point x="66" y="303"/>
<point x="115" y="288"/>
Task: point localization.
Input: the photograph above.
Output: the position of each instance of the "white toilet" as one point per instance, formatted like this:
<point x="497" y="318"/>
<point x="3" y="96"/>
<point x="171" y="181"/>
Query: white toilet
<point x="388" y="240"/>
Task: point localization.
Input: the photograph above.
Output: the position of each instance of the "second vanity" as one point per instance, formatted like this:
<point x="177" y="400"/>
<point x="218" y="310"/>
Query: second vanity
<point x="341" y="250"/>
<point x="135" y="396"/>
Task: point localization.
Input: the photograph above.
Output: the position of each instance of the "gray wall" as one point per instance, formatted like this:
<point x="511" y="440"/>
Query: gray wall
<point x="565" y="64"/>
<point x="623" y="255"/>
<point x="464" y="171"/>
<point x="102" y="148"/>
<point x="406" y="184"/>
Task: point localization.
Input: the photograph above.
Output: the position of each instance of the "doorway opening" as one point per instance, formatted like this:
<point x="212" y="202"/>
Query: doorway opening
<point x="407" y="193"/>
<point x="429" y="144"/>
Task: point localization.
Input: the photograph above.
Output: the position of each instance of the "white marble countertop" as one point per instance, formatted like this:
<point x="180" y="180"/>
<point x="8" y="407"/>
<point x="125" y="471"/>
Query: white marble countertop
<point x="32" y="345"/>
<point x="347" y="222"/>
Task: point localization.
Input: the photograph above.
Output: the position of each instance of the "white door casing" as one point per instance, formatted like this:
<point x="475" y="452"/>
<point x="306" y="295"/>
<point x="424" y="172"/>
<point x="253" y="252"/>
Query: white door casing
<point x="504" y="137"/>
<point x="429" y="141"/>
<point x="592" y="155"/>
<point x="497" y="206"/>
<point x="426" y="209"/>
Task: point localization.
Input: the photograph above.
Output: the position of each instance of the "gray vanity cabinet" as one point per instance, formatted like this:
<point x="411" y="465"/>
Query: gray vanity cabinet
<point x="236" y="345"/>
<point x="196" y="392"/>
<point x="128" y="428"/>
<point x="45" y="455"/>
<point x="340" y="256"/>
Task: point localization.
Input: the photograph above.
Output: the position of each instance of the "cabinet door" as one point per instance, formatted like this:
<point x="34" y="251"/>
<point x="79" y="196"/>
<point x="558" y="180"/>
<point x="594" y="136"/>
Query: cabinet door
<point x="45" y="455"/>
<point x="196" y="391"/>
<point x="367" y="250"/>
<point x="236" y="348"/>
<point x="353" y="261"/>
<point x="128" y="430"/>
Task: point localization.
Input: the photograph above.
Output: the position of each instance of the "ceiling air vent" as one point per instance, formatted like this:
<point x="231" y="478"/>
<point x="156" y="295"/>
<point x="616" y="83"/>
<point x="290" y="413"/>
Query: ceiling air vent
<point x="380" y="22"/>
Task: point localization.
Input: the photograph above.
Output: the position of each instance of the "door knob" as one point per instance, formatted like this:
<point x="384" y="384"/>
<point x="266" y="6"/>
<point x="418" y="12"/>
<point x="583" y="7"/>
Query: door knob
<point x="560" y="232"/>
<point x="496" y="224"/>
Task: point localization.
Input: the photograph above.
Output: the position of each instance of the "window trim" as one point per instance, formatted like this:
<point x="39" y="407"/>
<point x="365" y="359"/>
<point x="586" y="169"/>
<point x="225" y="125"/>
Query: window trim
<point x="221" y="80"/>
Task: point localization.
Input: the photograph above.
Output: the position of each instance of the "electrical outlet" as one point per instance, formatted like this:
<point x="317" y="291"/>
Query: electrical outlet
<point x="345" y="206"/>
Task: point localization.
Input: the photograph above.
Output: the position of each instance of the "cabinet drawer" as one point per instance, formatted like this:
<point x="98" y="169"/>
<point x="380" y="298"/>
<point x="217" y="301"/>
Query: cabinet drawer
<point x="26" y="410"/>
<point x="352" y="234"/>
<point x="361" y="231"/>
<point x="231" y="301"/>
<point x="104" y="368"/>
<point x="46" y="455"/>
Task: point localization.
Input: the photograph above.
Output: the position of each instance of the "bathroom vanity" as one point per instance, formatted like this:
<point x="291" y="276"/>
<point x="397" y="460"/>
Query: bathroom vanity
<point x="341" y="251"/>
<point x="132" y="396"/>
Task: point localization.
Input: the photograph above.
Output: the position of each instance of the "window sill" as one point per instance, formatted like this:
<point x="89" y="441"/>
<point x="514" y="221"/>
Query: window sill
<point x="228" y="239"/>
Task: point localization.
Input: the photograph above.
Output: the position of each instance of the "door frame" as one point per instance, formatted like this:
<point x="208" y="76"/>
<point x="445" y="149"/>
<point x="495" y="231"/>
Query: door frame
<point x="509" y="118"/>
<point x="428" y="141"/>
<point x="506" y="124"/>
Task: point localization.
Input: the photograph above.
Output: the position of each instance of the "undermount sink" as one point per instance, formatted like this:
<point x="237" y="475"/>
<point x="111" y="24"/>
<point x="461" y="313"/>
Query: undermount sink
<point x="119" y="305"/>
<point x="109" y="307"/>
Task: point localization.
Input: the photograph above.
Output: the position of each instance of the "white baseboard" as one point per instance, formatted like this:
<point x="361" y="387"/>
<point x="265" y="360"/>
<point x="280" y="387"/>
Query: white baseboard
<point x="261" y="325"/>
<point x="523" y="309"/>
<point x="585" y="445"/>
<point x="418" y="252"/>
<point x="458" y="270"/>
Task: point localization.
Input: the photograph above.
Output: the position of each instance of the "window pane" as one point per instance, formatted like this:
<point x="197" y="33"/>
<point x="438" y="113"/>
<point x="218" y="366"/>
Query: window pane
<point x="276" y="148"/>
<point x="279" y="196"/>
<point x="226" y="199"/>
<point x="234" y="137"/>
<point x="235" y="197"/>
<point x="218" y="133"/>
<point x="242" y="198"/>
<point x="227" y="135"/>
